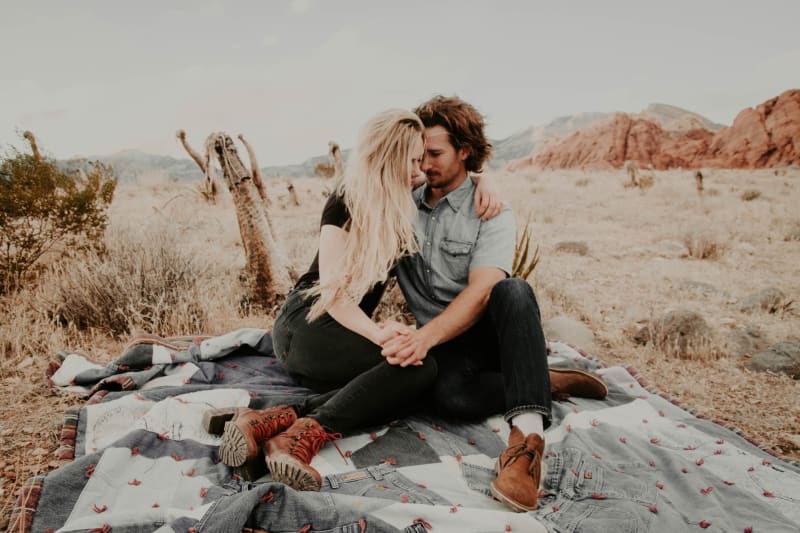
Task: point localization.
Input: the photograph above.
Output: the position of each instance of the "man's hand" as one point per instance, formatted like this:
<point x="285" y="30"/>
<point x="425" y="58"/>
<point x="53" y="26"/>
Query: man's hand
<point x="408" y="349"/>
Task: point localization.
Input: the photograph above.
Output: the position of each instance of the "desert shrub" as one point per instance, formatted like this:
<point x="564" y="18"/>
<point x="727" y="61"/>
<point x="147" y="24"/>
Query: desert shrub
<point x="750" y="194"/>
<point x="324" y="170"/>
<point x="572" y="247"/>
<point x="680" y="333"/>
<point x="792" y="232"/>
<point x="43" y="207"/>
<point x="703" y="245"/>
<point x="145" y="280"/>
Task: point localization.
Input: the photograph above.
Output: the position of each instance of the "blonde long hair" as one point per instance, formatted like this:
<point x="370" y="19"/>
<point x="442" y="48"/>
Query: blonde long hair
<point x="377" y="193"/>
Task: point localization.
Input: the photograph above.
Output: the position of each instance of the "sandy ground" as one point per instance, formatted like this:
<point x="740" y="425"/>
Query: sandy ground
<point x="636" y="266"/>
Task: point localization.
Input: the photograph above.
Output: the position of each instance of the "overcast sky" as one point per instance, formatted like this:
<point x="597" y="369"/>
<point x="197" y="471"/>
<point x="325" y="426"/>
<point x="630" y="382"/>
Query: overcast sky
<point x="93" y="78"/>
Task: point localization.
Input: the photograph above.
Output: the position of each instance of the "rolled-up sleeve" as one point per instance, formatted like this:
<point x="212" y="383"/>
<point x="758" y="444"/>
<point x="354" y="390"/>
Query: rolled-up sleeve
<point x="496" y="241"/>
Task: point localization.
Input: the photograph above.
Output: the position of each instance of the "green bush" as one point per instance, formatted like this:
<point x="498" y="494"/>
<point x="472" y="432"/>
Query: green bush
<point x="43" y="207"/>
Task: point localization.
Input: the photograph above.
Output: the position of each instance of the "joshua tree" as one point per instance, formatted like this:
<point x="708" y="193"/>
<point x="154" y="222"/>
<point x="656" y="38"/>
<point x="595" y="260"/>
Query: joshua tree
<point x="698" y="181"/>
<point x="292" y="194"/>
<point x="210" y="191"/>
<point x="268" y="273"/>
<point x="630" y="168"/>
<point x="258" y="181"/>
<point x="34" y="147"/>
<point x="335" y="158"/>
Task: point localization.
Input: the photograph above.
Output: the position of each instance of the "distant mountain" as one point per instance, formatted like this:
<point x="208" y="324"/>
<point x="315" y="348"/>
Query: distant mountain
<point x="761" y="137"/>
<point x="306" y="168"/>
<point x="673" y="118"/>
<point x="523" y="143"/>
<point x="132" y="165"/>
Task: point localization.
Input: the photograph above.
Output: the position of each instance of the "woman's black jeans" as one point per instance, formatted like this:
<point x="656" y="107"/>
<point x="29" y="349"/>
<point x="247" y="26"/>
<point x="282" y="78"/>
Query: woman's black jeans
<point x="362" y="388"/>
<point x="500" y="364"/>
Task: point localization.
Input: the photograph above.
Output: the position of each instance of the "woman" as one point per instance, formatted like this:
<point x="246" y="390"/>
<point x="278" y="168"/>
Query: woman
<point x="324" y="334"/>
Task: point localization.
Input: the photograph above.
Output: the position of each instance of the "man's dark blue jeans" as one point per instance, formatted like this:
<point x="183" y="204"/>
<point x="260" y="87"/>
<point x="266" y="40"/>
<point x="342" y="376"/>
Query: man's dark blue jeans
<point x="500" y="364"/>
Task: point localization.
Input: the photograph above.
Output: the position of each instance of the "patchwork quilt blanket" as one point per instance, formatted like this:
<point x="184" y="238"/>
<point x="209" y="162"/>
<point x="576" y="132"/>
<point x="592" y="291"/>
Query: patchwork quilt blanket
<point x="140" y="460"/>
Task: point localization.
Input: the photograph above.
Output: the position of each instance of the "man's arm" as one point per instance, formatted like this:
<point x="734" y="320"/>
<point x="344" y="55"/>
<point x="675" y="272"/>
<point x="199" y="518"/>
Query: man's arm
<point x="462" y="313"/>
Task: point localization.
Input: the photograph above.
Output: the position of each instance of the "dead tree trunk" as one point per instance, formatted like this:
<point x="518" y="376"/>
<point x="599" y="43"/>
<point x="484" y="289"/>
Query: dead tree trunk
<point x="268" y="275"/>
<point x="211" y="190"/>
<point x="258" y="181"/>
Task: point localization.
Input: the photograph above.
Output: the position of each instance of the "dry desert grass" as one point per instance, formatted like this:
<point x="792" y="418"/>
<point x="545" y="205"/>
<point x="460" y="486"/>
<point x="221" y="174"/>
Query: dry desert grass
<point x="645" y="252"/>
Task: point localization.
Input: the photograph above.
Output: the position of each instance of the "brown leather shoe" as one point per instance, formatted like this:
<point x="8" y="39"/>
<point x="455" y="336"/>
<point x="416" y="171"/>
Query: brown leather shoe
<point x="290" y="453"/>
<point x="566" y="382"/>
<point x="249" y="429"/>
<point x="519" y="469"/>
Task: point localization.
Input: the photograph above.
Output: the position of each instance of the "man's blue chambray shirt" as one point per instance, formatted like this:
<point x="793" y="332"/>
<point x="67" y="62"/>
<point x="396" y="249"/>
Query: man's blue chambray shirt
<point x="452" y="241"/>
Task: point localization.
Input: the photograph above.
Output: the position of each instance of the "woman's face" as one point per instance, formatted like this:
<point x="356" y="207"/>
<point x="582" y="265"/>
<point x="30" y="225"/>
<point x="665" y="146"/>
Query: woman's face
<point x="415" y="155"/>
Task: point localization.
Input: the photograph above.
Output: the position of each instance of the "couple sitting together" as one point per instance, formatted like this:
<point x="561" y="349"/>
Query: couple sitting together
<point x="478" y="348"/>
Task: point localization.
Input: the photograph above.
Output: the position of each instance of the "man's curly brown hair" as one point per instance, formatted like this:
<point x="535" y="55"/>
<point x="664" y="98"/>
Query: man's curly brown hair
<point x="464" y="124"/>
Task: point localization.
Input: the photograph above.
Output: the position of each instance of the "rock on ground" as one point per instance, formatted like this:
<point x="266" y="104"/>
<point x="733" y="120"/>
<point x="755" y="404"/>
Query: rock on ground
<point x="566" y="329"/>
<point x="783" y="357"/>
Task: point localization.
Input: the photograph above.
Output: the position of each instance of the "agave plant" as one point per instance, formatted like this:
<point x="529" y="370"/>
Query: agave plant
<point x="524" y="260"/>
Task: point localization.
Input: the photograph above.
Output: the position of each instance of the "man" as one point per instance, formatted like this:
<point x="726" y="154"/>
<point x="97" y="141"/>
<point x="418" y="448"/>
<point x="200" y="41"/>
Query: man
<point x="482" y="326"/>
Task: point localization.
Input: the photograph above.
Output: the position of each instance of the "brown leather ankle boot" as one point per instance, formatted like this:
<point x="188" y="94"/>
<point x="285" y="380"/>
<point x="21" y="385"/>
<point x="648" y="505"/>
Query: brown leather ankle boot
<point x="519" y="469"/>
<point x="249" y="429"/>
<point x="290" y="453"/>
<point x="566" y="382"/>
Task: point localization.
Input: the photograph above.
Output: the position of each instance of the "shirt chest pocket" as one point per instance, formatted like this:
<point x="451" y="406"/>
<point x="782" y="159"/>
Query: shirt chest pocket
<point x="456" y="257"/>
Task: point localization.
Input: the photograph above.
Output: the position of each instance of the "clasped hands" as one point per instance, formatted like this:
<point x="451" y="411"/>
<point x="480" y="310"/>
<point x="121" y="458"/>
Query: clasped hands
<point x="403" y="345"/>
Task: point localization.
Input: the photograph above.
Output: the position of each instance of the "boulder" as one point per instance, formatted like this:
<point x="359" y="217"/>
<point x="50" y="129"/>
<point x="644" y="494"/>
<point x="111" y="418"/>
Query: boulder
<point x="768" y="299"/>
<point x="742" y="341"/>
<point x="783" y="357"/>
<point x="571" y="331"/>
<point x="699" y="287"/>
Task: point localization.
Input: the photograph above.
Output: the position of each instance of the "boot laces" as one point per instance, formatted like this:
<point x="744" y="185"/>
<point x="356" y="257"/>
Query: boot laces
<point x="516" y="451"/>
<point x="270" y="425"/>
<point x="307" y="442"/>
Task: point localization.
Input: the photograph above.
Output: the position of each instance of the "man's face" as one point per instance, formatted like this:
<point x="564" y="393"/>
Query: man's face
<point x="443" y="164"/>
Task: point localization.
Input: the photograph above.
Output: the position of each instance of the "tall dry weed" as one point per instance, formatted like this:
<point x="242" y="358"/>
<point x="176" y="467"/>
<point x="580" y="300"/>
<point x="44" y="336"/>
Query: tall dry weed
<point x="703" y="245"/>
<point x="680" y="334"/>
<point x="147" y="280"/>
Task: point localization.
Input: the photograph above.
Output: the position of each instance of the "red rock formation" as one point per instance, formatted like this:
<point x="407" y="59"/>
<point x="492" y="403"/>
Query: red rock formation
<point x="767" y="136"/>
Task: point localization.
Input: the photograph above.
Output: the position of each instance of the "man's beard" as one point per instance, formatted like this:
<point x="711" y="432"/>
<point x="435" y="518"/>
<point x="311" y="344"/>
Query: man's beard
<point x="438" y="185"/>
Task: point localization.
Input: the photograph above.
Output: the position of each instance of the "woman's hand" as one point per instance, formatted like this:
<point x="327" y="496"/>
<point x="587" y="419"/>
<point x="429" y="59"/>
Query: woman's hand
<point x="487" y="201"/>
<point x="391" y="329"/>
